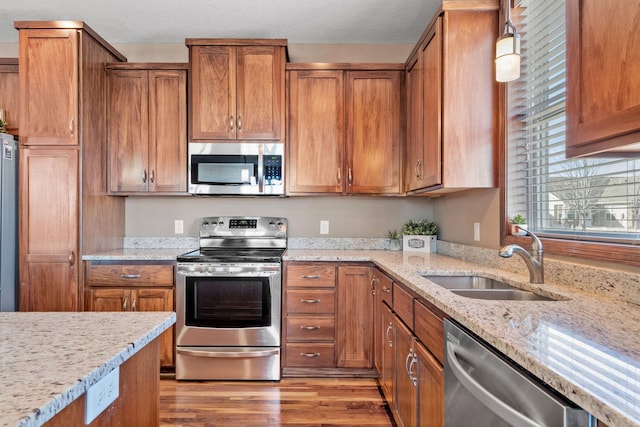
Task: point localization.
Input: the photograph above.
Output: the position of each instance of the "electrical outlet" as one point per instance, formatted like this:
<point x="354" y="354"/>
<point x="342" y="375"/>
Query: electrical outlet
<point x="100" y="395"/>
<point x="179" y="226"/>
<point x="476" y="231"/>
<point x="324" y="227"/>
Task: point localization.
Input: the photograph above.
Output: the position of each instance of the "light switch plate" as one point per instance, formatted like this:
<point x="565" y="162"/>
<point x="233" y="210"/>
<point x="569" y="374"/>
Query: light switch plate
<point x="476" y="231"/>
<point x="179" y="226"/>
<point x="100" y="395"/>
<point x="324" y="227"/>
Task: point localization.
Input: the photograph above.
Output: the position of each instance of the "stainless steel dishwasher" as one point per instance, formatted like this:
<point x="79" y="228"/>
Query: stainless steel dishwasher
<point x="483" y="389"/>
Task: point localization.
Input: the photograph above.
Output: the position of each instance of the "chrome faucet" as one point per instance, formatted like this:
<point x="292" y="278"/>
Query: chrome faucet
<point x="534" y="258"/>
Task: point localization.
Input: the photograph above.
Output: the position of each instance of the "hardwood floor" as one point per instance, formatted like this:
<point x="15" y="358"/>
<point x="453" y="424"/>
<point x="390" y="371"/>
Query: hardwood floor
<point x="291" y="402"/>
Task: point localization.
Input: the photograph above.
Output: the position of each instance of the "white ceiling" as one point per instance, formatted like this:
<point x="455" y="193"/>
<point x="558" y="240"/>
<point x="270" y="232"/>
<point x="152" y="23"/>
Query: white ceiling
<point x="171" y="21"/>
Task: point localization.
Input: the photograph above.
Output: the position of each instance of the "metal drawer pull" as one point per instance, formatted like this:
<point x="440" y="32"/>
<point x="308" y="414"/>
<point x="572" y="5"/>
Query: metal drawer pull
<point x="309" y="354"/>
<point x="386" y="290"/>
<point x="315" y="276"/>
<point x="229" y="354"/>
<point x="130" y="276"/>
<point x="309" y="328"/>
<point x="124" y="303"/>
<point x="310" y="301"/>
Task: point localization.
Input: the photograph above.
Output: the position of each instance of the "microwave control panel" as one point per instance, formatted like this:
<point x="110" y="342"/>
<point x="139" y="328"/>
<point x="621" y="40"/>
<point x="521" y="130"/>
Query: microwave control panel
<point x="273" y="167"/>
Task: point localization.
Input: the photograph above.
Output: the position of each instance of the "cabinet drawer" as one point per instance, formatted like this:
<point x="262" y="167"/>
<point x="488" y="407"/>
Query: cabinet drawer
<point x="429" y="328"/>
<point x="311" y="301"/>
<point x="129" y="275"/>
<point x="312" y="275"/>
<point x="311" y="328"/>
<point x="310" y="355"/>
<point x="403" y="305"/>
<point x="385" y="287"/>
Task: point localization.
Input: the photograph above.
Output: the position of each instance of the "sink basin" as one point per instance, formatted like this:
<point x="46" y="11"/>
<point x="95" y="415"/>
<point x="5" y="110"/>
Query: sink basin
<point x="468" y="282"/>
<point x="485" y="288"/>
<point x="501" y="294"/>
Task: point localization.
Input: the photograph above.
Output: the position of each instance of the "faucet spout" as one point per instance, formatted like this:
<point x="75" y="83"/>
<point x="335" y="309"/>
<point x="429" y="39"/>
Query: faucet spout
<point x="533" y="259"/>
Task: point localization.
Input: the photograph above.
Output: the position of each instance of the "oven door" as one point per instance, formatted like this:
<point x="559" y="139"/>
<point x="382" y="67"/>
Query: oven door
<point x="228" y="305"/>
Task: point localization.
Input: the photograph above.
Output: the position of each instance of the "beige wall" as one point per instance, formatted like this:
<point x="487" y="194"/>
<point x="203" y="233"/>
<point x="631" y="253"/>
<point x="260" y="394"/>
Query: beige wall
<point x="348" y="216"/>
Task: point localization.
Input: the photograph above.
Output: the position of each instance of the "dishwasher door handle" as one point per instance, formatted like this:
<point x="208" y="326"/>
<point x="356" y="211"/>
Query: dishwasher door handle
<point x="496" y="405"/>
<point x="229" y="354"/>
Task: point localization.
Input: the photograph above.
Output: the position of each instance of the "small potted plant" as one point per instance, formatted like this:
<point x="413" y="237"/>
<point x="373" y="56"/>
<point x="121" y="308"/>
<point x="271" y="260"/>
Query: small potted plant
<point x="420" y="236"/>
<point x="394" y="240"/>
<point x="518" y="225"/>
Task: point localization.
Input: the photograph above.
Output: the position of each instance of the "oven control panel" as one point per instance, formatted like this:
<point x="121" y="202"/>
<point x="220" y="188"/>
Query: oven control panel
<point x="224" y="226"/>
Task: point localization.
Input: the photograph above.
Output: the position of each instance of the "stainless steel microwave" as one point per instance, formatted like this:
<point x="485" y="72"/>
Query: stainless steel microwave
<point x="236" y="168"/>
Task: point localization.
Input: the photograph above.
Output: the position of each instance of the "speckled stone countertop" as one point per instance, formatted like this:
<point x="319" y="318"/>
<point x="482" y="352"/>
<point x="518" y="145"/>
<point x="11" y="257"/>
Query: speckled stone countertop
<point x="585" y="345"/>
<point x="47" y="360"/>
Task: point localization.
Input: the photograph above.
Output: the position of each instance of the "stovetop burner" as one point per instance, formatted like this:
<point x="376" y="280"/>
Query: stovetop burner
<point x="239" y="239"/>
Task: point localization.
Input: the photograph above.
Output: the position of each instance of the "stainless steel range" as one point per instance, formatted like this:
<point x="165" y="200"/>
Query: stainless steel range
<point x="228" y="300"/>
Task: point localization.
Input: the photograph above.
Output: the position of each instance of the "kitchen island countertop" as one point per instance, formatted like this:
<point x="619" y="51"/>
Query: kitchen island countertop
<point x="584" y="345"/>
<point x="48" y="360"/>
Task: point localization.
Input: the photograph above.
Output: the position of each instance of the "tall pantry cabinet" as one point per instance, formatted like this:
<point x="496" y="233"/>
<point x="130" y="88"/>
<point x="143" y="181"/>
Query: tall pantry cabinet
<point x="64" y="209"/>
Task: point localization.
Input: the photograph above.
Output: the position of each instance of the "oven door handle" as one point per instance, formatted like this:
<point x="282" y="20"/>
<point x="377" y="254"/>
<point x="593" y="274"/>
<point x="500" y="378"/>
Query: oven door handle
<point x="229" y="354"/>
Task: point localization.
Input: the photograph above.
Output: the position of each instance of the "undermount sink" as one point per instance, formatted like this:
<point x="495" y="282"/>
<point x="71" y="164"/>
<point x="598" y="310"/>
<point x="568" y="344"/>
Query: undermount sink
<point x="485" y="288"/>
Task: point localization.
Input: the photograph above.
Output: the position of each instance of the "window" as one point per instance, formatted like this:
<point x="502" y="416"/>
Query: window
<point x="582" y="199"/>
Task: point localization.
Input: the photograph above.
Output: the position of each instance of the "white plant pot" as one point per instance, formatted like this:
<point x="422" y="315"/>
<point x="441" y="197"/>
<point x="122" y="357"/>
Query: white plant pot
<point x="517" y="231"/>
<point x="412" y="243"/>
<point x="394" y="245"/>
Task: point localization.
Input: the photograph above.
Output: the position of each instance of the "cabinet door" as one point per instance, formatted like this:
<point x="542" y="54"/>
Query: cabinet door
<point x="212" y="93"/>
<point x="157" y="299"/>
<point x="414" y="165"/>
<point x="48" y="247"/>
<point x="431" y="168"/>
<point x="405" y="373"/>
<point x="9" y="94"/>
<point x="49" y="71"/>
<point x="118" y="299"/>
<point x="354" y="346"/>
<point x="603" y="89"/>
<point x="260" y="92"/>
<point x="430" y="389"/>
<point x="167" y="131"/>
<point x="128" y="132"/>
<point x="316" y="132"/>
<point x="373" y="132"/>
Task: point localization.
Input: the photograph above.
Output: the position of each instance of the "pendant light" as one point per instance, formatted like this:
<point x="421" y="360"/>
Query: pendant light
<point x="508" y="51"/>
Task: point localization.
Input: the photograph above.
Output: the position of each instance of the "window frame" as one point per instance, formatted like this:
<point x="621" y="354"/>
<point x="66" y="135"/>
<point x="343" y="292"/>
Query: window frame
<point x="618" y="253"/>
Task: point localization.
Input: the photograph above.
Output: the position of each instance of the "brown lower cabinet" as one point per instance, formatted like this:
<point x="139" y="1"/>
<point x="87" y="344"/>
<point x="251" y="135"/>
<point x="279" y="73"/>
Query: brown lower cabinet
<point x="328" y="309"/>
<point x="133" y="287"/>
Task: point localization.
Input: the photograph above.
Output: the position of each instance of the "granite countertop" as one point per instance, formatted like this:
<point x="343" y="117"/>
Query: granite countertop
<point x="47" y="360"/>
<point x="138" y="254"/>
<point x="584" y="345"/>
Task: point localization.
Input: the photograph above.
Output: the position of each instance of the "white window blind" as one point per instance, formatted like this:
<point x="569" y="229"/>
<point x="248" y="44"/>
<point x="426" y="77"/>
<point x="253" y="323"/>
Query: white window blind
<point x="586" y="199"/>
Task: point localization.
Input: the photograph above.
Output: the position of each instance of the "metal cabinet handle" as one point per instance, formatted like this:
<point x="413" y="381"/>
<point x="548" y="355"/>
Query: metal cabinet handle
<point x="239" y="123"/>
<point x="144" y="176"/>
<point x="416" y="170"/>
<point x="412" y="376"/>
<point x="124" y="303"/>
<point x="152" y="176"/>
<point x="386" y="290"/>
<point x="309" y="328"/>
<point x="406" y="362"/>
<point x="349" y="176"/>
<point x="130" y="276"/>
<point x="386" y="335"/>
<point x="231" y="123"/>
<point x="309" y="354"/>
<point x="310" y="301"/>
<point x="374" y="280"/>
<point x="72" y="259"/>
<point x="133" y="304"/>
<point x="339" y="176"/>
<point x="314" y="276"/>
<point x="71" y="128"/>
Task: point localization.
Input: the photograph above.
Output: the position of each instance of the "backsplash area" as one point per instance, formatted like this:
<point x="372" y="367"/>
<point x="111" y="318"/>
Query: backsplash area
<point x="618" y="284"/>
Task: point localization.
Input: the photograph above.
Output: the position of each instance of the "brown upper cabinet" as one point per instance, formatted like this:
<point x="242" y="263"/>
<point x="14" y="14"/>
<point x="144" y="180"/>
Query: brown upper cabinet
<point x="344" y="128"/>
<point x="147" y="110"/>
<point x="603" y="89"/>
<point x="9" y="94"/>
<point x="236" y="89"/>
<point x="452" y="102"/>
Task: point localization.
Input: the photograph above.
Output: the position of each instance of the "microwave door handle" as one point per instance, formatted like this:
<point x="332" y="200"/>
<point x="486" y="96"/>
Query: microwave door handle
<point x="492" y="402"/>
<point x="261" y="169"/>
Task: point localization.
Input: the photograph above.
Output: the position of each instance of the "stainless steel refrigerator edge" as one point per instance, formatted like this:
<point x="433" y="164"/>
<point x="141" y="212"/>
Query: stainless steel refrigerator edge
<point x="483" y="389"/>
<point x="8" y="223"/>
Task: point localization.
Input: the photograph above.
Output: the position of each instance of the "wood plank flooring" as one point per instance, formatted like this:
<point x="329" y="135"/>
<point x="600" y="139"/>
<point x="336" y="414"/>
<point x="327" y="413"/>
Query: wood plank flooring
<point x="291" y="402"/>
